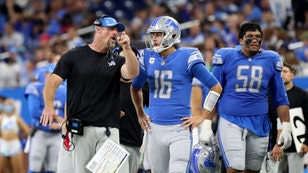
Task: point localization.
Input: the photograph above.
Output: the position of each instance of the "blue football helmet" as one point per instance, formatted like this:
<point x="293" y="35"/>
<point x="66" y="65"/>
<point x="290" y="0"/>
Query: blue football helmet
<point x="205" y="158"/>
<point x="170" y="29"/>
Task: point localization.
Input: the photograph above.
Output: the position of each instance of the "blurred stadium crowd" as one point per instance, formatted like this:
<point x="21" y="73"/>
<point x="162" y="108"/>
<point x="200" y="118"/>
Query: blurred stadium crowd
<point x="32" y="30"/>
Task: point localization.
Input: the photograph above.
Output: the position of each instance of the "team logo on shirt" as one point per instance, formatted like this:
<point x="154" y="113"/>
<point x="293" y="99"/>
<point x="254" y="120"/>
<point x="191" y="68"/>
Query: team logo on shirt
<point x="112" y="63"/>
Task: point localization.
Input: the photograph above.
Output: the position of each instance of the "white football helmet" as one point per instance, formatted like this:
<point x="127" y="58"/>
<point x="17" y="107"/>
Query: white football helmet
<point x="170" y="29"/>
<point x="205" y="158"/>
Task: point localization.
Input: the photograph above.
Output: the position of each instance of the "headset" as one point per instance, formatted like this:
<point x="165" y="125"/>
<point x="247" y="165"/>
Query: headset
<point x="98" y="21"/>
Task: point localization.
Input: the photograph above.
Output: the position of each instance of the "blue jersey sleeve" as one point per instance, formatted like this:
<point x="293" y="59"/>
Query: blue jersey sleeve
<point x="34" y="97"/>
<point x="203" y="75"/>
<point x="34" y="107"/>
<point x="277" y="87"/>
<point x="218" y="67"/>
<point x="140" y="80"/>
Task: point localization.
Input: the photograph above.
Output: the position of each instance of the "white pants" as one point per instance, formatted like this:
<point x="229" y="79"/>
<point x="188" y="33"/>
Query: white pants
<point x="241" y="149"/>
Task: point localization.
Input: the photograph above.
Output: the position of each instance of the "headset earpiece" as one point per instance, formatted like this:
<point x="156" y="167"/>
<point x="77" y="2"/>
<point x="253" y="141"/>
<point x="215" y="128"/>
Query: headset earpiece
<point x="98" y="22"/>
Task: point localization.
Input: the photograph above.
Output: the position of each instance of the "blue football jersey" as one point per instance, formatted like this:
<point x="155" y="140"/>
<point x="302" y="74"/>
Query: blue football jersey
<point x="170" y="81"/>
<point x="245" y="81"/>
<point x="34" y="95"/>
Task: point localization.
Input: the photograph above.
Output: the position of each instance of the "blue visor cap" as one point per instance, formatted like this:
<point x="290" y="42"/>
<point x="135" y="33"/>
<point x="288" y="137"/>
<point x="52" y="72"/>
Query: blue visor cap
<point x="111" y="22"/>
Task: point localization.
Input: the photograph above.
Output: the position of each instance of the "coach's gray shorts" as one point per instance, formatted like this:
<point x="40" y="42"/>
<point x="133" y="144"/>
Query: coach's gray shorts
<point x="87" y="145"/>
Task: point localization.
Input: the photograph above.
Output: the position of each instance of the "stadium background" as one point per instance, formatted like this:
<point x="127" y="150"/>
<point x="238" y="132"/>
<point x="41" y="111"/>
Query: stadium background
<point x="55" y="17"/>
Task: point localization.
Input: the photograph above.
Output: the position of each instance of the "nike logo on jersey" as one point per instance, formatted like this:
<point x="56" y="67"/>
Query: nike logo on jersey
<point x="179" y="130"/>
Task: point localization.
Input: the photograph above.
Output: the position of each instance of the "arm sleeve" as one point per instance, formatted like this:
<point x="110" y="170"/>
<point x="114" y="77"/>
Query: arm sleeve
<point x="276" y="84"/>
<point x="203" y="75"/>
<point x="218" y="73"/>
<point x="140" y="80"/>
<point x="278" y="92"/>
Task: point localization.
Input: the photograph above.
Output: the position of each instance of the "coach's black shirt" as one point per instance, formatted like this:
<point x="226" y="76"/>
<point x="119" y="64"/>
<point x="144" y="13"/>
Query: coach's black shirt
<point x="93" y="85"/>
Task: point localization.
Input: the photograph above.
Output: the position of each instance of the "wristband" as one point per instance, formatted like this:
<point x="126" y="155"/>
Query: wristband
<point x="211" y="100"/>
